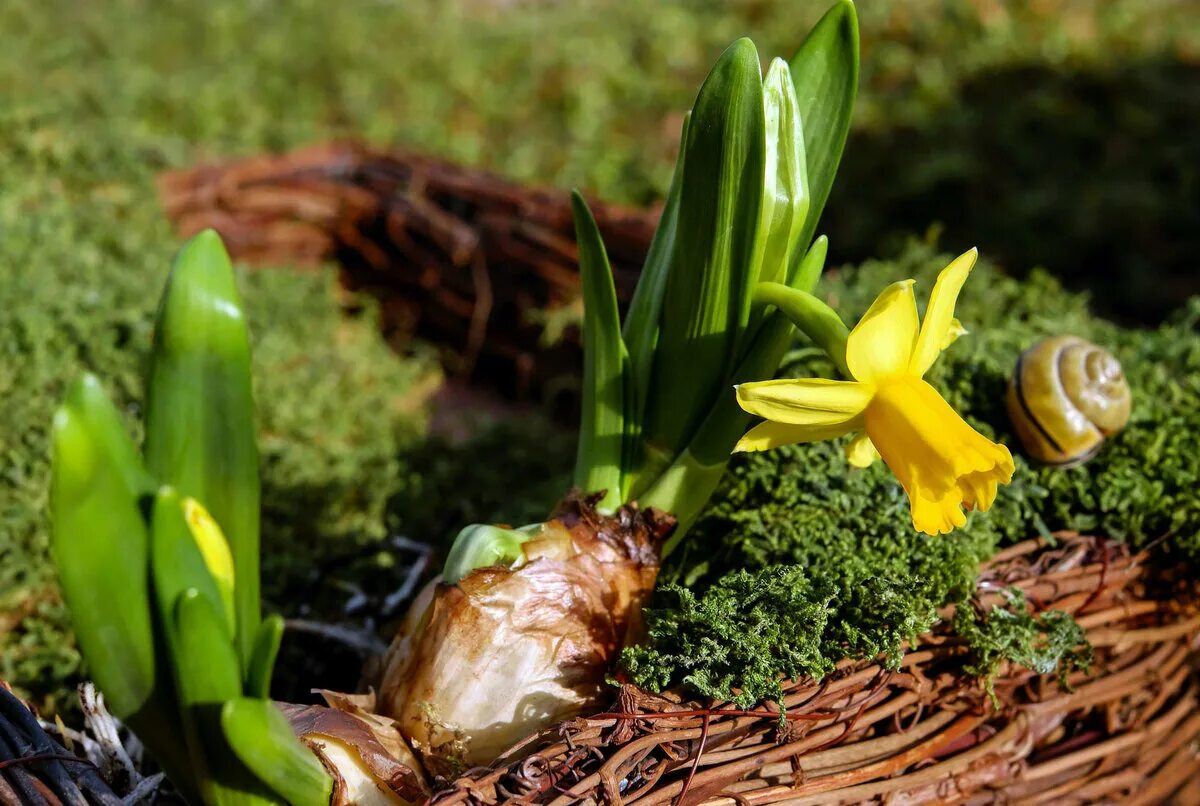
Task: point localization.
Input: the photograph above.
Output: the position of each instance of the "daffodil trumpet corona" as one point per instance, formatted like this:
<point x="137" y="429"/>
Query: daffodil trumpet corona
<point x="944" y="465"/>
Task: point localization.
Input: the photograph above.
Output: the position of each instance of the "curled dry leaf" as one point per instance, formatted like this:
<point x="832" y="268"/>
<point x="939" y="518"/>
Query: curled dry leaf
<point x="368" y="759"/>
<point x="480" y="665"/>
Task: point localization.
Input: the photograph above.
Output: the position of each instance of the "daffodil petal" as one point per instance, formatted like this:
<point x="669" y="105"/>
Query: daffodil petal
<point x="953" y="332"/>
<point x="939" y="315"/>
<point x="805" y="401"/>
<point x="771" y="435"/>
<point x="861" y="451"/>
<point x="881" y="344"/>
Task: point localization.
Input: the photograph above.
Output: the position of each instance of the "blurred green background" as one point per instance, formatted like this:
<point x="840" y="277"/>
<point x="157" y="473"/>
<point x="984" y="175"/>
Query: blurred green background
<point x="1057" y="133"/>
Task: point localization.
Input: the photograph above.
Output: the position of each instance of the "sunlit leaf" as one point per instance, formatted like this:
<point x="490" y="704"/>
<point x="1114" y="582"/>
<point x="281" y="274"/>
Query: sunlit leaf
<point x="200" y="426"/>
<point x="100" y="544"/>
<point x="598" y="462"/>
<point x="825" y="74"/>
<point x="262" y="739"/>
<point x="707" y="301"/>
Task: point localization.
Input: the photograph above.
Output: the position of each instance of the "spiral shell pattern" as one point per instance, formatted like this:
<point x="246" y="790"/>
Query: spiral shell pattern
<point x="1065" y="397"/>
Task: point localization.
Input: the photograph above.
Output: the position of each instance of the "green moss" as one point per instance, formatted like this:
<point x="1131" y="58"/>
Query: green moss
<point x="734" y="640"/>
<point x="800" y="522"/>
<point x="1048" y="642"/>
<point x="530" y="472"/>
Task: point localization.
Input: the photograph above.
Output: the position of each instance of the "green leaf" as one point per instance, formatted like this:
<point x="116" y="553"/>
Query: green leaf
<point x="481" y="545"/>
<point x="176" y="562"/>
<point x="207" y="665"/>
<point x="200" y="424"/>
<point x="785" y="187"/>
<point x="177" y="567"/>
<point x="811" y="265"/>
<point x="605" y="367"/>
<point x="208" y="675"/>
<point x="825" y="74"/>
<point x="263" y="740"/>
<point x="684" y="487"/>
<point x="262" y="659"/>
<point x="640" y="331"/>
<point x="707" y="301"/>
<point x="100" y="544"/>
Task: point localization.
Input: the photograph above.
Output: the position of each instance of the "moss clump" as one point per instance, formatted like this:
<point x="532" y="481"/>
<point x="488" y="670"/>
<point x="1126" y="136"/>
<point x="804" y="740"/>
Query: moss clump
<point x="735" y="639"/>
<point x="1047" y="642"/>
<point x="844" y="537"/>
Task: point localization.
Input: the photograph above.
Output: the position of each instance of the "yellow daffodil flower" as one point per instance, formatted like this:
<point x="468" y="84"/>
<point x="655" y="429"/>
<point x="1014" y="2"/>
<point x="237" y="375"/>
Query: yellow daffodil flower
<point x="942" y="462"/>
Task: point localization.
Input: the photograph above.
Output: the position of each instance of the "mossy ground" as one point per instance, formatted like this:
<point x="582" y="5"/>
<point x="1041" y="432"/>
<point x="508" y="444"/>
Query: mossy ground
<point x="97" y="98"/>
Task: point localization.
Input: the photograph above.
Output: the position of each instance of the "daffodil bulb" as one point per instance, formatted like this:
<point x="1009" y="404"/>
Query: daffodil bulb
<point x="511" y="649"/>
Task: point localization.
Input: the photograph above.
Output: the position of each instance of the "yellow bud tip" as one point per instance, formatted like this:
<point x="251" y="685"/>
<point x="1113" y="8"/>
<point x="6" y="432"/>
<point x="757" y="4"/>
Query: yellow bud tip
<point x="214" y="548"/>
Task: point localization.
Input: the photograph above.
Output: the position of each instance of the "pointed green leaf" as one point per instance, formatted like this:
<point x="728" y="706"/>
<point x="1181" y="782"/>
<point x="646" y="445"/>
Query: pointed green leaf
<point x="262" y="659"/>
<point x="200" y="424"/>
<point x="481" y="545"/>
<point x="262" y="738"/>
<point x="707" y="302"/>
<point x="100" y="544"/>
<point x="206" y="661"/>
<point x="785" y="187"/>
<point x="176" y="567"/>
<point x="176" y="562"/>
<point x="605" y="367"/>
<point x="640" y="331"/>
<point x="208" y="675"/>
<point x="825" y="74"/>
<point x="686" y="485"/>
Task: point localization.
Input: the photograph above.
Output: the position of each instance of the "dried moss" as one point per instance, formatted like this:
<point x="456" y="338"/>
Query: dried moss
<point x="798" y="521"/>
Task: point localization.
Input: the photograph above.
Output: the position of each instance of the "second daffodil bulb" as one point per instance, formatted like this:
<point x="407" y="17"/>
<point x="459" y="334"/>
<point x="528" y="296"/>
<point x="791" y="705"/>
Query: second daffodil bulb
<point x="479" y="665"/>
<point x="943" y="463"/>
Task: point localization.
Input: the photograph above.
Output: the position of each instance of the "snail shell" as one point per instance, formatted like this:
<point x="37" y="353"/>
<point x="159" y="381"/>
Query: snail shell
<point x="1064" y="398"/>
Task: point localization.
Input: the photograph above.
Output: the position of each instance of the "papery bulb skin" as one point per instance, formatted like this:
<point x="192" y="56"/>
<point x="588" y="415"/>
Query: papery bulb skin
<point x="507" y="652"/>
<point x="368" y="759"/>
